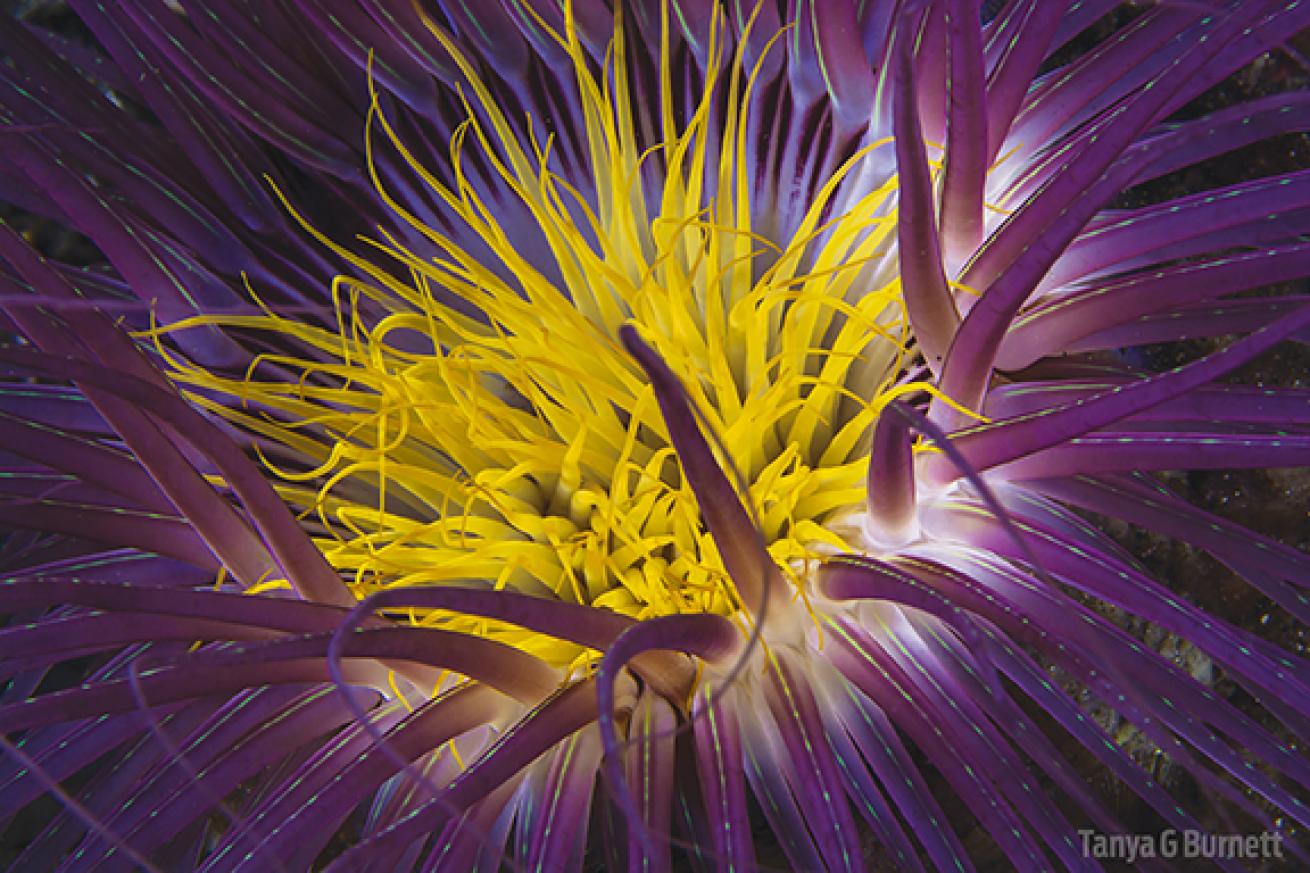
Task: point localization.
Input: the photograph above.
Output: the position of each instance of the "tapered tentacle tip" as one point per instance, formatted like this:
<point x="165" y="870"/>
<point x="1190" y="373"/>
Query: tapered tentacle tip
<point x="650" y="361"/>
<point x="641" y="350"/>
<point x="890" y="486"/>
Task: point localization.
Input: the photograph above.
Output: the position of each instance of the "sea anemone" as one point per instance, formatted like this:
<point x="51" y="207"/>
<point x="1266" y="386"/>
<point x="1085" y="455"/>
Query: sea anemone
<point x="637" y="434"/>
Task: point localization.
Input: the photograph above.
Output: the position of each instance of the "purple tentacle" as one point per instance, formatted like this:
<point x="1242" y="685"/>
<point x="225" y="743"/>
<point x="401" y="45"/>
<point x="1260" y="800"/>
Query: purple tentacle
<point x="995" y="444"/>
<point x="739" y="541"/>
<point x="928" y="300"/>
<point x="563" y="714"/>
<point x="711" y="637"/>
<point x="965" y="177"/>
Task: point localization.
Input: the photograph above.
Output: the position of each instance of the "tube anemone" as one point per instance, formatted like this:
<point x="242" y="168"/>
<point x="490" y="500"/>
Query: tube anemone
<point x="639" y="435"/>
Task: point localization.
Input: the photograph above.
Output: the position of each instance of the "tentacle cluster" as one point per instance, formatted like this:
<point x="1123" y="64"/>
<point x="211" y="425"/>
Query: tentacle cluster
<point x="546" y="433"/>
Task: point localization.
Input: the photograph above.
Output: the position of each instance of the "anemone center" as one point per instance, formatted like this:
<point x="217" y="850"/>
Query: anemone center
<point x="473" y="418"/>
